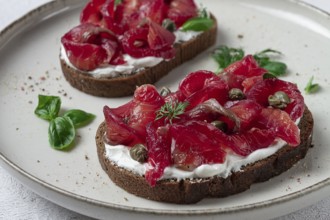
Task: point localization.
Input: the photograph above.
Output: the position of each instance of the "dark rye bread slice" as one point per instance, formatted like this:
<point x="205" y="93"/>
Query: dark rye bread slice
<point x="126" y="85"/>
<point x="191" y="191"/>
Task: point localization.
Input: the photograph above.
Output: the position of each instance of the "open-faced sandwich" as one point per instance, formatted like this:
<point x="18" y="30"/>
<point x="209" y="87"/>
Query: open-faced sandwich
<point x="213" y="137"/>
<point x="119" y="45"/>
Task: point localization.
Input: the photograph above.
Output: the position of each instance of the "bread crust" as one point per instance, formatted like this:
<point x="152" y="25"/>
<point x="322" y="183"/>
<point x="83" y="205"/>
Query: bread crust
<point x="126" y="85"/>
<point x="191" y="191"/>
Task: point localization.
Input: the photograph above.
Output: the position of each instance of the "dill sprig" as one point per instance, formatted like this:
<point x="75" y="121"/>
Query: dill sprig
<point x="171" y="110"/>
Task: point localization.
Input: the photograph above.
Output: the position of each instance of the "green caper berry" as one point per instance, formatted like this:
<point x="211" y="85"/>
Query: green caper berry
<point x="169" y="25"/>
<point x="236" y="94"/>
<point x="165" y="91"/>
<point x="279" y="100"/>
<point x="139" y="153"/>
<point x="220" y="125"/>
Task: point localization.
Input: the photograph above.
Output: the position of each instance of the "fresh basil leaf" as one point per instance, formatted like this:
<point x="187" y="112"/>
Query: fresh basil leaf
<point x="79" y="117"/>
<point x="48" y="107"/>
<point x="61" y="133"/>
<point x="261" y="60"/>
<point x="225" y="56"/>
<point x="276" y="68"/>
<point x="197" y="24"/>
<point x="264" y="60"/>
<point x="311" y="87"/>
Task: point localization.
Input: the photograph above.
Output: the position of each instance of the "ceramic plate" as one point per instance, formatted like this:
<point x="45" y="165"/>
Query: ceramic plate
<point x="29" y="66"/>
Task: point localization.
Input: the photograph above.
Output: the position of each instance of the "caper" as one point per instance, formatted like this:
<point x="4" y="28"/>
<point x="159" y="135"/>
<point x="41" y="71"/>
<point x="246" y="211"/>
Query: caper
<point x="236" y="94"/>
<point x="169" y="25"/>
<point x="220" y="125"/>
<point x="139" y="153"/>
<point x="279" y="100"/>
<point x="165" y="91"/>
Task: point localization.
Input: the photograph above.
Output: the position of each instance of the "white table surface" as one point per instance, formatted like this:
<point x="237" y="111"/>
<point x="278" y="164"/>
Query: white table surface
<point x="18" y="202"/>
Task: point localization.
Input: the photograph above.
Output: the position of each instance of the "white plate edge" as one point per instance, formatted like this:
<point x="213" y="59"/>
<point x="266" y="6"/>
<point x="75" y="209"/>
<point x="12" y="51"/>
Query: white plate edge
<point x="58" y="6"/>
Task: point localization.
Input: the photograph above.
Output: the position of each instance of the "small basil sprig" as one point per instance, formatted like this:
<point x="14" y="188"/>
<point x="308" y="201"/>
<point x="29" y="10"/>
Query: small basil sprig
<point x="274" y="67"/>
<point x="48" y="107"/>
<point x="62" y="129"/>
<point x="311" y="87"/>
<point x="225" y="56"/>
<point x="202" y="22"/>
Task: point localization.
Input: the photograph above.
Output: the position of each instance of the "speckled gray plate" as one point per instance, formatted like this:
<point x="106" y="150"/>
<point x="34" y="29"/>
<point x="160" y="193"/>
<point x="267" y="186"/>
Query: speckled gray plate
<point x="29" y="66"/>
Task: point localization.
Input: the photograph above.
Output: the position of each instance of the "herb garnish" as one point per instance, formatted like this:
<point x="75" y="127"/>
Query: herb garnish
<point x="202" y="22"/>
<point x="48" y="107"/>
<point x="225" y="56"/>
<point x="197" y="24"/>
<point x="311" y="87"/>
<point x="171" y="110"/>
<point x="274" y="67"/>
<point x="61" y="133"/>
<point x="62" y="129"/>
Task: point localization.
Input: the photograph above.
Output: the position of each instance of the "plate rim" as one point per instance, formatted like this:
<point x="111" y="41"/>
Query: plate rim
<point x="238" y="209"/>
<point x="58" y="6"/>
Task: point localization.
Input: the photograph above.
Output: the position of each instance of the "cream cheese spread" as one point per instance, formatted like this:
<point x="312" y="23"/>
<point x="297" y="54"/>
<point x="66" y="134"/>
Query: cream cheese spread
<point x="132" y="64"/>
<point x="120" y="156"/>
